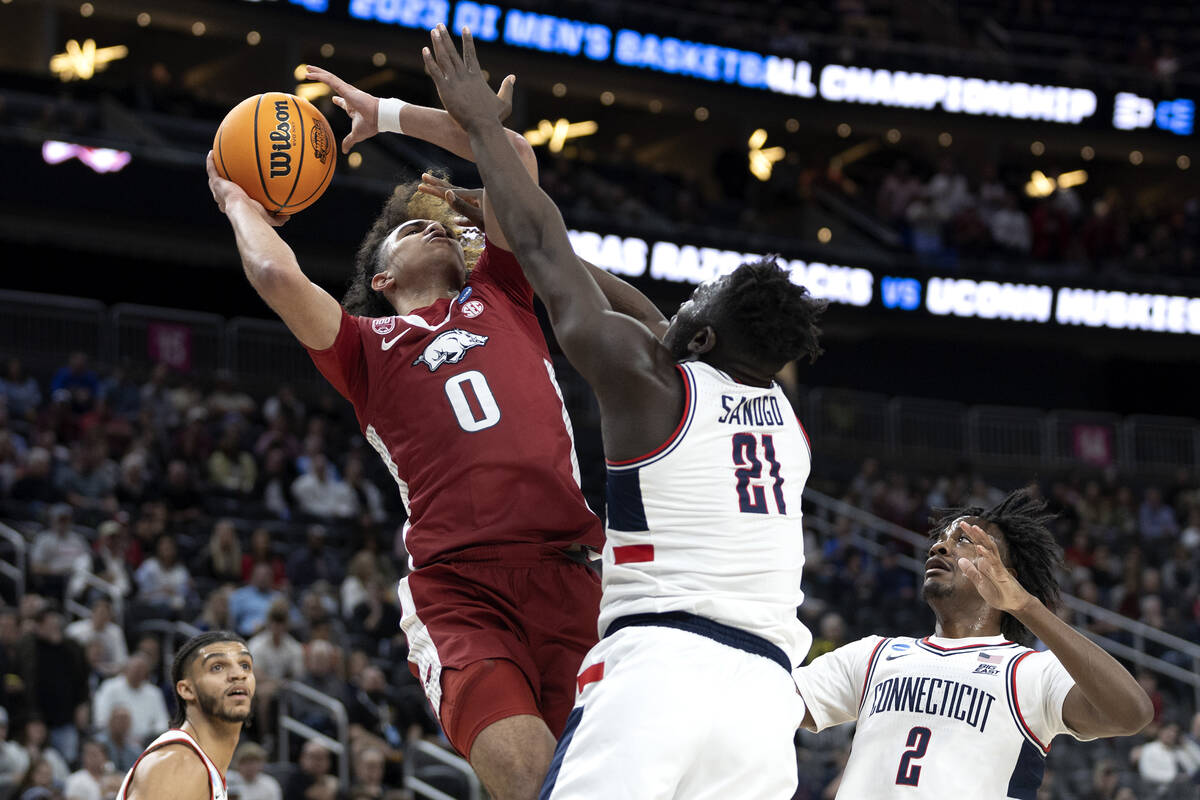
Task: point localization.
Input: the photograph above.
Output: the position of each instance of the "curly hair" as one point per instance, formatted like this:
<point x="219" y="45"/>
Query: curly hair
<point x="774" y="320"/>
<point x="1033" y="553"/>
<point x="404" y="203"/>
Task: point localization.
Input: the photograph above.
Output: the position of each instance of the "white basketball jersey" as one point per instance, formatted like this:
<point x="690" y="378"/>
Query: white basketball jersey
<point x="216" y="781"/>
<point x="709" y="523"/>
<point x="937" y="718"/>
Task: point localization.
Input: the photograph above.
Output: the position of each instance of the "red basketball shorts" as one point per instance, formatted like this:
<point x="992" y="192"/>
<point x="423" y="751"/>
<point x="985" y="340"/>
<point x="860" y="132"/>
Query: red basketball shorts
<point x="527" y="605"/>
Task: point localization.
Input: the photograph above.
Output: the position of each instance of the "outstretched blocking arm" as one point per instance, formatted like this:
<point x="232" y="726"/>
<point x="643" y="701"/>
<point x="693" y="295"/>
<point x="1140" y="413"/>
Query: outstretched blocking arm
<point x="311" y="314"/>
<point x="369" y="115"/>
<point x="1105" y="700"/>
<point x="604" y="346"/>
<point x="623" y="297"/>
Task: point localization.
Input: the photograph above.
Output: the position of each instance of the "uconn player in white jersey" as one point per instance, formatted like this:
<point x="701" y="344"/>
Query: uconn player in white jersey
<point x="969" y="712"/>
<point x="213" y="675"/>
<point x="689" y="691"/>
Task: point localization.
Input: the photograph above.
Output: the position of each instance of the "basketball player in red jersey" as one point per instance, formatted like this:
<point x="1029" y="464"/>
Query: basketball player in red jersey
<point x="213" y="675"/>
<point x="452" y="385"/>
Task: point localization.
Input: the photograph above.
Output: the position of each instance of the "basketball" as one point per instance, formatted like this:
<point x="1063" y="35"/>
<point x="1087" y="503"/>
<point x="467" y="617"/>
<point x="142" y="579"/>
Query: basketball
<point x="278" y="148"/>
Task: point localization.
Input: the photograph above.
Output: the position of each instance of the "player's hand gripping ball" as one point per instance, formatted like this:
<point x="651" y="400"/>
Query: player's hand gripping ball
<point x="279" y="149"/>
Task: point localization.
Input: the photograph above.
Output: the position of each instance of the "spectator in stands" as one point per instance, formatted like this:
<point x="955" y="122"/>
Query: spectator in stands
<point x="89" y="480"/>
<point x="35" y="484"/>
<point x="221" y="560"/>
<point x="1169" y="760"/>
<point x="216" y="616"/>
<point x="314" y="562"/>
<point x="117" y="739"/>
<point x="247" y="781"/>
<point x="321" y="494"/>
<point x="79" y="379"/>
<point x="20" y="390"/>
<point x="278" y="657"/>
<point x="359" y="575"/>
<point x="156" y="399"/>
<point x="56" y="552"/>
<point x="132" y="690"/>
<point x="278" y="435"/>
<point x="179" y="492"/>
<point x="164" y="584"/>
<point x="248" y="605"/>
<point x="39" y="782"/>
<point x="228" y="402"/>
<point x="321" y="673"/>
<point x="1156" y="520"/>
<point x="54" y="673"/>
<point x="134" y="486"/>
<point x="377" y="618"/>
<point x="899" y="189"/>
<point x="231" y="468"/>
<point x="106" y="562"/>
<point x="368" y="500"/>
<point x="14" y="761"/>
<point x="121" y="395"/>
<point x="84" y="784"/>
<point x="34" y="740"/>
<point x="372" y="710"/>
<point x="274" y="483"/>
<point x="313" y="781"/>
<point x="284" y="402"/>
<point x="12" y="688"/>
<point x="368" y="774"/>
<point x="1010" y="227"/>
<point x="832" y="635"/>
<point x="260" y="553"/>
<point x="100" y="628"/>
<point x="10" y="461"/>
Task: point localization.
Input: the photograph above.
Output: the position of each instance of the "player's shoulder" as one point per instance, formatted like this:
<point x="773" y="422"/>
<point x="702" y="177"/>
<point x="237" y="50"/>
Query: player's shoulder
<point x="173" y="769"/>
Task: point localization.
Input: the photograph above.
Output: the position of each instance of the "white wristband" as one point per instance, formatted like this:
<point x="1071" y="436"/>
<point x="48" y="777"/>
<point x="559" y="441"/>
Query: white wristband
<point x="389" y="114"/>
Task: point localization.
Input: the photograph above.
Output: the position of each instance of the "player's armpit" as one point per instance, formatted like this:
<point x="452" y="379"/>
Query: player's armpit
<point x="174" y="771"/>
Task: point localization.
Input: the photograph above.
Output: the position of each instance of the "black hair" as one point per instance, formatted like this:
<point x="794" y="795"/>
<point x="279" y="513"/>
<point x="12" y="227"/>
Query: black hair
<point x="1033" y="553"/>
<point x="403" y="204"/>
<point x="184" y="657"/>
<point x="775" y="320"/>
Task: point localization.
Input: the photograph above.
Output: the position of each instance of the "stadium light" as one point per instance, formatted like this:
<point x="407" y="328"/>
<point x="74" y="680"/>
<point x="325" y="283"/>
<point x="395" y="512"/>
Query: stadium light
<point x="311" y="91"/>
<point x="82" y="61"/>
<point x="762" y="162"/>
<point x="554" y="135"/>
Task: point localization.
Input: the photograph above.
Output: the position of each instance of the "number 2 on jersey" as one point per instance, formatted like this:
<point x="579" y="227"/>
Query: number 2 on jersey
<point x="752" y="497"/>
<point x="909" y="773"/>
<point x="485" y="401"/>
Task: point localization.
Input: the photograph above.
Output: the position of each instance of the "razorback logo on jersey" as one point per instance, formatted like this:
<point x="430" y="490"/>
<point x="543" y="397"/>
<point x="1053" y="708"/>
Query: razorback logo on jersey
<point x="384" y="325"/>
<point x="449" y="348"/>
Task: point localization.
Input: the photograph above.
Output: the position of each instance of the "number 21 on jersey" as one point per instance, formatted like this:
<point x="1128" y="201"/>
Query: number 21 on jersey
<point x="751" y="493"/>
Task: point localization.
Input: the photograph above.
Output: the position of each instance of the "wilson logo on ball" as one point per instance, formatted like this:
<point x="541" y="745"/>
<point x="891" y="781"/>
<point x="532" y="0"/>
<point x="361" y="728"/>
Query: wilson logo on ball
<point x="279" y="149"/>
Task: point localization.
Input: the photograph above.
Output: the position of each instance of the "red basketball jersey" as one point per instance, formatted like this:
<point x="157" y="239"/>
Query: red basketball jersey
<point x="459" y="400"/>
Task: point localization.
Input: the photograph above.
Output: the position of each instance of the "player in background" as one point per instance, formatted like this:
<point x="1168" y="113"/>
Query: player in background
<point x="213" y="676"/>
<point x="452" y="385"/>
<point x="689" y="693"/>
<point x="970" y="711"/>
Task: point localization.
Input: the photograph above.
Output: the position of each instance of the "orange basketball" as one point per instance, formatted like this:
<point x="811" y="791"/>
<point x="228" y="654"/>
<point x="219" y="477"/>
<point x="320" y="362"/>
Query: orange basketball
<point x="278" y="148"/>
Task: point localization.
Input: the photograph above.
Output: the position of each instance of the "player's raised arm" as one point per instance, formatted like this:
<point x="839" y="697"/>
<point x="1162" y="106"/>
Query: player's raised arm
<point x="589" y="332"/>
<point x="271" y="267"/>
<point x="370" y="115"/>
<point x="623" y="297"/>
<point x="1106" y="700"/>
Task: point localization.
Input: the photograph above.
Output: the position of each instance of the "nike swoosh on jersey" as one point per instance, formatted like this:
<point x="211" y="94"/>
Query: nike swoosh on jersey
<point x="386" y="344"/>
<point x="901" y="655"/>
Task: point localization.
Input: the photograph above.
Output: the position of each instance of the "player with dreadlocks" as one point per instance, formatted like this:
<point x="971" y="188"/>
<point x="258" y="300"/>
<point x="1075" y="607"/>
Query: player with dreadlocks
<point x="706" y="466"/>
<point x="970" y="711"/>
<point x="213" y="677"/>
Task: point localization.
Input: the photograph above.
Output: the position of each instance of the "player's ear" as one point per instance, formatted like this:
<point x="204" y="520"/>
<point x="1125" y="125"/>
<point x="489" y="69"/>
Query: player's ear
<point x="702" y="341"/>
<point x="381" y="280"/>
<point x="185" y="690"/>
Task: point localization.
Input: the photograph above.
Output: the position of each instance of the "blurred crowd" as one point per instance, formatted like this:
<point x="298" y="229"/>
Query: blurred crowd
<point x="153" y="507"/>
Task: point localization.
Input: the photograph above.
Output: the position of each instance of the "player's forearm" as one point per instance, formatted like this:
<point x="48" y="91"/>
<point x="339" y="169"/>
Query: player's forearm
<point x="264" y="253"/>
<point x="1107" y="686"/>
<point x="532" y="224"/>
<point x="435" y="126"/>
<point x="627" y="300"/>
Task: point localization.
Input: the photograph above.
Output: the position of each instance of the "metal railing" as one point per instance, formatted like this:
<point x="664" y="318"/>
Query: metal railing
<point x="94" y="581"/>
<point x="15" y="571"/>
<point x="926" y="432"/>
<point x="448" y="759"/>
<point x="873" y="540"/>
<point x="289" y="725"/>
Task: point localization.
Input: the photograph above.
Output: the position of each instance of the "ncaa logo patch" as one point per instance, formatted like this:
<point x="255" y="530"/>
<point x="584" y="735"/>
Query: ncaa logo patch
<point x="464" y="294"/>
<point x="472" y="309"/>
<point x="384" y="325"/>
